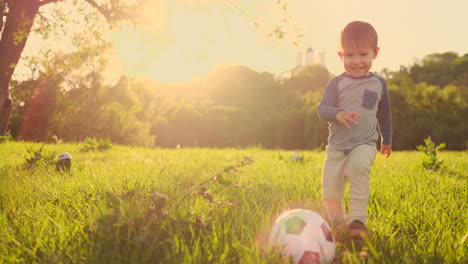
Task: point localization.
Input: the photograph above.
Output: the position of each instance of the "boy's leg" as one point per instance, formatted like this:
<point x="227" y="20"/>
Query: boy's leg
<point x="357" y="170"/>
<point x="333" y="185"/>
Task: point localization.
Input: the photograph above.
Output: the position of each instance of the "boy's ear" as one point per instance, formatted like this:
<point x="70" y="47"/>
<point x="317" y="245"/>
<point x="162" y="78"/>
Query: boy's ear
<point x="376" y="52"/>
<point x="340" y="54"/>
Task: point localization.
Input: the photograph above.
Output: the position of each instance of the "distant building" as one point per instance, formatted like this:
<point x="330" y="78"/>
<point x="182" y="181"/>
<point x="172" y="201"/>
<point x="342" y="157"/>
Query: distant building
<point x="303" y="60"/>
<point x="309" y="56"/>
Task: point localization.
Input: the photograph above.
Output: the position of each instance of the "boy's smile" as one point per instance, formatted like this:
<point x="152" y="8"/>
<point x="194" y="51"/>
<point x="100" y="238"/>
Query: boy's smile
<point x="358" y="61"/>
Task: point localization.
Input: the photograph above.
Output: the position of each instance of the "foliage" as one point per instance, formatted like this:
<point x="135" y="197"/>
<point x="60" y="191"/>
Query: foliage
<point x="435" y="69"/>
<point x="430" y="150"/>
<point x="6" y="138"/>
<point x="71" y="101"/>
<point x="232" y="106"/>
<point x="312" y="78"/>
<point x="37" y="158"/>
<point x="420" y="107"/>
<point x="18" y="21"/>
<point x="92" y="144"/>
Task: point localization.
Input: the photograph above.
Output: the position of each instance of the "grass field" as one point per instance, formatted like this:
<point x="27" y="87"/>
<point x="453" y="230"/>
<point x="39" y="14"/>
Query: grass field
<point x="107" y="209"/>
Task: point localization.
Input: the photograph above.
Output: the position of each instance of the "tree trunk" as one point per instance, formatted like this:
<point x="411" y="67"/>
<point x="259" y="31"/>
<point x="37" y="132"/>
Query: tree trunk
<point x="18" y="23"/>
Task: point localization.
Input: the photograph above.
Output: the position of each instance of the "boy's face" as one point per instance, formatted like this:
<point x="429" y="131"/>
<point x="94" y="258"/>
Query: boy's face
<point x="358" y="61"/>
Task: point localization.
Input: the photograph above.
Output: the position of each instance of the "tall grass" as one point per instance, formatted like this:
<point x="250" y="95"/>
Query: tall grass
<point x="103" y="210"/>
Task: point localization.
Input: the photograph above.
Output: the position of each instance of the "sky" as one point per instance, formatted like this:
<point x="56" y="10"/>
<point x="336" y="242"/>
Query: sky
<point x="186" y="39"/>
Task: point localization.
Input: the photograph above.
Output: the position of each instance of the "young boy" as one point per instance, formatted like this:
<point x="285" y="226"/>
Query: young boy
<point x="356" y="104"/>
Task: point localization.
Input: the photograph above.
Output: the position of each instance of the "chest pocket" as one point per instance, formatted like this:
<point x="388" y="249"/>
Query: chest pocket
<point x="369" y="99"/>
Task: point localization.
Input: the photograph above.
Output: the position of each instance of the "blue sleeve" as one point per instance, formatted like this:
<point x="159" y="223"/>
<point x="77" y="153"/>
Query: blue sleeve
<point x="327" y="108"/>
<point x="384" y="115"/>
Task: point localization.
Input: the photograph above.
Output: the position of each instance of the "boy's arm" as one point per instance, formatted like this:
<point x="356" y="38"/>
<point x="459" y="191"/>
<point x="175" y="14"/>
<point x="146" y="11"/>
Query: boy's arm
<point x="384" y="117"/>
<point x="327" y="109"/>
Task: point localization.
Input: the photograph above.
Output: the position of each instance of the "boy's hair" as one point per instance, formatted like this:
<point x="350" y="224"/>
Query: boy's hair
<point x="358" y="34"/>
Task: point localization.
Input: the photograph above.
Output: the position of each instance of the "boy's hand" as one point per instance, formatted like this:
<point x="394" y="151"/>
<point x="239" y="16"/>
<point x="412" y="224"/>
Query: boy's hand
<point x="347" y="118"/>
<point x="386" y="150"/>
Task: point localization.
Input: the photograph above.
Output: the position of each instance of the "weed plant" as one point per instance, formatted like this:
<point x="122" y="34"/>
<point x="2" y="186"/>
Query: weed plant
<point x="430" y="160"/>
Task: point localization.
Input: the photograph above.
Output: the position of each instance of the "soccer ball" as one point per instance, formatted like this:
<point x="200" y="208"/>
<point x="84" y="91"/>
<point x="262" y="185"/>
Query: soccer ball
<point x="304" y="236"/>
<point x="63" y="162"/>
<point x="296" y="157"/>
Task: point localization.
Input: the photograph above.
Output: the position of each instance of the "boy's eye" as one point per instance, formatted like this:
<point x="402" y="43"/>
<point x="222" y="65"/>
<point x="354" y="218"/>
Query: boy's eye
<point x="364" y="54"/>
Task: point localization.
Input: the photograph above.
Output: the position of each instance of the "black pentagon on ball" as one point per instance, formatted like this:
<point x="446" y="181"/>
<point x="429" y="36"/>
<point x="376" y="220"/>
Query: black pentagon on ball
<point x="310" y="257"/>
<point x="294" y="225"/>
<point x="326" y="232"/>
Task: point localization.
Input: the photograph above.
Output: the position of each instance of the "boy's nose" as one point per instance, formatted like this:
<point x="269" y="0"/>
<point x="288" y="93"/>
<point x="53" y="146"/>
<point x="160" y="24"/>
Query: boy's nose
<point x="356" y="60"/>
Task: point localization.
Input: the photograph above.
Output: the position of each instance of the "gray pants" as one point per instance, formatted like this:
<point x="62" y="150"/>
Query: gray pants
<point x="340" y="168"/>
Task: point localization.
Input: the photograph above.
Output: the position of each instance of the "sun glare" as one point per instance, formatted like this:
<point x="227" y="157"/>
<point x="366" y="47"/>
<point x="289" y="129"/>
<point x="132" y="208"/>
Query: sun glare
<point x="178" y="49"/>
<point x="134" y="47"/>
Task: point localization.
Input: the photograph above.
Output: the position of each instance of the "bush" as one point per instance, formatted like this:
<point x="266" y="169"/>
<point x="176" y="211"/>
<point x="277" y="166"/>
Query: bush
<point x="92" y="144"/>
<point x="430" y="161"/>
<point x="6" y="138"/>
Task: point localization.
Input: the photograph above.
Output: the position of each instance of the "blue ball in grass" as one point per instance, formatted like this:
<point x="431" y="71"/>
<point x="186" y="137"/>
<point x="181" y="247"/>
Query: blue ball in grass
<point x="63" y="162"/>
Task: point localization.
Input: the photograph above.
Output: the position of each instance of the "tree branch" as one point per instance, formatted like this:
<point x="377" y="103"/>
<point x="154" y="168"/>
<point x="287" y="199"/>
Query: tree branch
<point x="101" y="10"/>
<point x="45" y="2"/>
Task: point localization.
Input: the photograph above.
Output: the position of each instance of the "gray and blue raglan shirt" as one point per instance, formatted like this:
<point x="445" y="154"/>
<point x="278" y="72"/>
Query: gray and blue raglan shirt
<point x="369" y="97"/>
